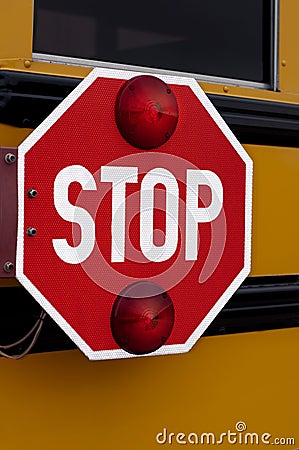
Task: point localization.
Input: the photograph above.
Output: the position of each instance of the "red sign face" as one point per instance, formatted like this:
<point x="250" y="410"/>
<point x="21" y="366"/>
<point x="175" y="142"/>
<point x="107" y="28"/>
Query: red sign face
<point x="141" y="227"/>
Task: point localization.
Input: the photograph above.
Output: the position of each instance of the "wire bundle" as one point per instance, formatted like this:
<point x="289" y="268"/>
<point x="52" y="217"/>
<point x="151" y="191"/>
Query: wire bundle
<point x="35" y="331"/>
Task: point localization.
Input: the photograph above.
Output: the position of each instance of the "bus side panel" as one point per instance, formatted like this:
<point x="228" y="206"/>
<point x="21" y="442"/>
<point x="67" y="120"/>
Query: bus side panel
<point x="16" y="29"/>
<point x="288" y="48"/>
<point x="275" y="222"/>
<point x="62" y="401"/>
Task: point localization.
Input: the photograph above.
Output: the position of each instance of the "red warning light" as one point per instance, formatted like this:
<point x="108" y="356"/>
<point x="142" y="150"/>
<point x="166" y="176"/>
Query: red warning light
<point x="142" y="318"/>
<point x="146" y="112"/>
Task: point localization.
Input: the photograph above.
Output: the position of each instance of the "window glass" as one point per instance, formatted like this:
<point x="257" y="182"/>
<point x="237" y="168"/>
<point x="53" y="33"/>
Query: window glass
<point x="227" y="38"/>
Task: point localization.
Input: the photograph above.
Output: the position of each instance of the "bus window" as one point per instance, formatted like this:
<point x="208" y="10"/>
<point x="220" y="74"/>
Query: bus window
<point x="230" y="38"/>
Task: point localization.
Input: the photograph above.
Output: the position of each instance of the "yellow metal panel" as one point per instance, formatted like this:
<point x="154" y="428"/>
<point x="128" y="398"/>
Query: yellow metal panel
<point x="62" y="401"/>
<point x="288" y="48"/>
<point x="12" y="136"/>
<point x="275" y="222"/>
<point x="16" y="29"/>
<point x="31" y="66"/>
<point x="246" y="92"/>
<point x="8" y="282"/>
<point x="275" y="242"/>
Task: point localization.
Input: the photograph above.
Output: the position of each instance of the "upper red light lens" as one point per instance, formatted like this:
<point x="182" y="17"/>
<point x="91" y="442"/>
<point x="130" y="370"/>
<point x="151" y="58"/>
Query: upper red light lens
<point x="146" y="112"/>
<point x="142" y="318"/>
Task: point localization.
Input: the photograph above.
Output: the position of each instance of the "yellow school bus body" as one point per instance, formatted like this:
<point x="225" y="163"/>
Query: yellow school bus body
<point x="60" y="400"/>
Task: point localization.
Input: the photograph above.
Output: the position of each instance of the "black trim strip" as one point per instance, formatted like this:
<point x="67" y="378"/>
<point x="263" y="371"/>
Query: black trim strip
<point x="27" y="99"/>
<point x="260" y="121"/>
<point x="266" y="303"/>
<point x="261" y="303"/>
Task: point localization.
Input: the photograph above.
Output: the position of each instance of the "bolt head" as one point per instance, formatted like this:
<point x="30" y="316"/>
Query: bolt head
<point x="10" y="158"/>
<point x="8" y="266"/>
<point x="31" y="231"/>
<point x="32" y="193"/>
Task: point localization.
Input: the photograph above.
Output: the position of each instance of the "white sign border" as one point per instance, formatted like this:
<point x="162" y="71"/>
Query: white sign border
<point x="41" y="130"/>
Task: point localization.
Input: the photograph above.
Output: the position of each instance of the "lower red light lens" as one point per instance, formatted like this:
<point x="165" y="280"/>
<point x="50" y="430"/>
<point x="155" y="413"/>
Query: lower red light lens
<point x="142" y="318"/>
<point x="146" y="112"/>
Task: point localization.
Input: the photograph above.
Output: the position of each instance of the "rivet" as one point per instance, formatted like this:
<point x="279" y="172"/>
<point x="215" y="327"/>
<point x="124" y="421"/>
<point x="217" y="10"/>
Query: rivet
<point x="10" y="158"/>
<point x="8" y="266"/>
<point x="32" y="193"/>
<point x="225" y="88"/>
<point x="283" y="63"/>
<point x="31" y="231"/>
<point x="27" y="64"/>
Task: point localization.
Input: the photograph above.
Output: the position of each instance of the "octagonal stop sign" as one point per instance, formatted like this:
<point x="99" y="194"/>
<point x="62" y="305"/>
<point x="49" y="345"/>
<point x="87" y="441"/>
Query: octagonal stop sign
<point x="134" y="214"/>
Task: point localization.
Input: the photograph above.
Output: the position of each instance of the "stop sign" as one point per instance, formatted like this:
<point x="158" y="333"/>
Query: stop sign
<point x="134" y="214"/>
